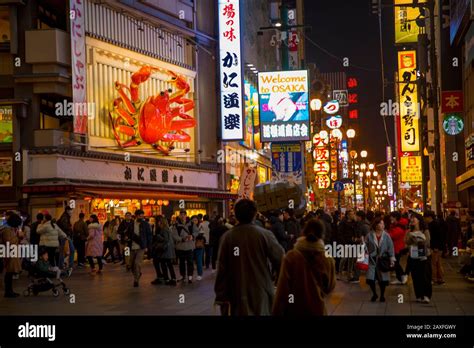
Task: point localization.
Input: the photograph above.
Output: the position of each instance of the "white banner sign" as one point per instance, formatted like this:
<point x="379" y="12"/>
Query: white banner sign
<point x="78" y="64"/>
<point x="231" y="78"/>
<point x="247" y="182"/>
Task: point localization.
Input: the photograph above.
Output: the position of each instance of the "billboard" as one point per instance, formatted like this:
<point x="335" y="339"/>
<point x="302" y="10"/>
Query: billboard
<point x="6" y="124"/>
<point x="410" y="168"/>
<point x="408" y="21"/>
<point x="231" y="76"/>
<point x="287" y="163"/>
<point x="284" y="107"/>
<point x="408" y="96"/>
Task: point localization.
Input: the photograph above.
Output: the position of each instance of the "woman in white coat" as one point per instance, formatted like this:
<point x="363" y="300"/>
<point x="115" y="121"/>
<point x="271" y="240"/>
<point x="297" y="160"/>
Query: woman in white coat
<point x="50" y="233"/>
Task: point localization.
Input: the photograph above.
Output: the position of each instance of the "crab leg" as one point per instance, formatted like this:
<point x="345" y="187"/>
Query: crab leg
<point x="181" y="84"/>
<point x="139" y="77"/>
<point x="120" y="87"/>
<point x="186" y="105"/>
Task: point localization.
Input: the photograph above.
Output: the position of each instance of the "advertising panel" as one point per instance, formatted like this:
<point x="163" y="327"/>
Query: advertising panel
<point x="408" y="21"/>
<point x="6" y="124"/>
<point x="410" y="167"/>
<point x="231" y="76"/>
<point x="287" y="163"/>
<point x="6" y="172"/>
<point x="408" y="96"/>
<point x="284" y="108"/>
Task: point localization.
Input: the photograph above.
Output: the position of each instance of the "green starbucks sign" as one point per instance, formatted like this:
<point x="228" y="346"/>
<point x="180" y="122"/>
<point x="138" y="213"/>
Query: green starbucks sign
<point x="453" y="124"/>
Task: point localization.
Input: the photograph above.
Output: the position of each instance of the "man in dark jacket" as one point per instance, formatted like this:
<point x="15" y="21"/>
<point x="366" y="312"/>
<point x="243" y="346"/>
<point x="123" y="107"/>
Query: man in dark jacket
<point x="327" y="222"/>
<point x="124" y="231"/>
<point x="292" y="227"/>
<point x="244" y="283"/>
<point x="437" y="241"/>
<point x="34" y="236"/>
<point x="346" y="233"/>
<point x="141" y="238"/>
<point x="454" y="231"/>
<point x="64" y="223"/>
<point x="80" y="233"/>
<point x="278" y="229"/>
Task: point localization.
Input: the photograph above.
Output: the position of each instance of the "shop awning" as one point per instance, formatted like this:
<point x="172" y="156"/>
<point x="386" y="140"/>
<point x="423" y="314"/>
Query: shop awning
<point x="136" y="192"/>
<point x="465" y="180"/>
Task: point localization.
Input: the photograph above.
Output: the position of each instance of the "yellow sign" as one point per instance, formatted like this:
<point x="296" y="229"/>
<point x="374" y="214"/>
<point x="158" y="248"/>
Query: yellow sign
<point x="411" y="169"/>
<point x="408" y="99"/>
<point x="407" y="21"/>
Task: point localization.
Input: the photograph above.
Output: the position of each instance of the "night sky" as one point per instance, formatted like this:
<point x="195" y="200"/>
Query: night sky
<point x="349" y="29"/>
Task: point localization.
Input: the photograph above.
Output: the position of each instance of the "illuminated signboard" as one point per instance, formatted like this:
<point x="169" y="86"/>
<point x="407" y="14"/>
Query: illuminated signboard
<point x="408" y="21"/>
<point x="331" y="107"/>
<point x="453" y="124"/>
<point x="389" y="181"/>
<point x="334" y="122"/>
<point x="231" y="81"/>
<point x="284" y="107"/>
<point x="6" y="124"/>
<point x="411" y="169"/>
<point x="6" y="171"/>
<point x="353" y="97"/>
<point x="408" y="96"/>
<point x="321" y="157"/>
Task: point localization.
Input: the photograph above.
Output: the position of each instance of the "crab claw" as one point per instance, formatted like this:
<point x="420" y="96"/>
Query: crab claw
<point x="180" y="82"/>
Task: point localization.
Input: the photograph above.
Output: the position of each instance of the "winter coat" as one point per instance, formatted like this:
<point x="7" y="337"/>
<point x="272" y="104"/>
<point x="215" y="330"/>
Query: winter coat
<point x="164" y="237"/>
<point x="80" y="230"/>
<point x="328" y="228"/>
<point x="215" y="234"/>
<point x="375" y="248"/>
<point x="454" y="229"/>
<point x="95" y="242"/>
<point x="50" y="235"/>
<point x="362" y="228"/>
<point x="414" y="237"/>
<point x="204" y="229"/>
<point x="181" y="232"/>
<point x="346" y="231"/>
<point x="145" y="236"/>
<point x="397" y="232"/>
<point x="124" y="231"/>
<point x="245" y="281"/>
<point x="10" y="235"/>
<point x="308" y="275"/>
<point x="65" y="225"/>
<point x="278" y="230"/>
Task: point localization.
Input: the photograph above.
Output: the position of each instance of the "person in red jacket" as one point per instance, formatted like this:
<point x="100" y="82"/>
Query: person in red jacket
<point x="397" y="231"/>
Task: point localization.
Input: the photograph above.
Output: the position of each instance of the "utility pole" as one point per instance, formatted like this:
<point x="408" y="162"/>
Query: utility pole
<point x="434" y="84"/>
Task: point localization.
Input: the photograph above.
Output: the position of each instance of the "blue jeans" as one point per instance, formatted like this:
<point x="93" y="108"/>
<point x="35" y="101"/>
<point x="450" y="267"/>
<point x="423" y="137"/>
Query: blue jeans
<point x="198" y="255"/>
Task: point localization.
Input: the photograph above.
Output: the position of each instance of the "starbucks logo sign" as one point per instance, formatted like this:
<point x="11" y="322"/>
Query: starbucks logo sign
<point x="453" y="124"/>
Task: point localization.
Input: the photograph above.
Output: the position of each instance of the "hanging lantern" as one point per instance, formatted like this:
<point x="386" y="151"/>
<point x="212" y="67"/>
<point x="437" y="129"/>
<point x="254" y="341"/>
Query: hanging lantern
<point x="134" y="201"/>
<point x="160" y="202"/>
<point x="144" y="201"/>
<point x="152" y="201"/>
<point x="165" y="203"/>
<point x="116" y="202"/>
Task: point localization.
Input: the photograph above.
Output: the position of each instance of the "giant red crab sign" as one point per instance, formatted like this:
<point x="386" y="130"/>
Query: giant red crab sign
<point x="154" y="119"/>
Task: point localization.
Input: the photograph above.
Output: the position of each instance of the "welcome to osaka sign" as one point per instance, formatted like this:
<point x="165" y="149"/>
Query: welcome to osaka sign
<point x="284" y="108"/>
<point x="231" y="76"/>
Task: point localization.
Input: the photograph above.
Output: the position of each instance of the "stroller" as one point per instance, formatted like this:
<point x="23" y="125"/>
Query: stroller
<point x="40" y="282"/>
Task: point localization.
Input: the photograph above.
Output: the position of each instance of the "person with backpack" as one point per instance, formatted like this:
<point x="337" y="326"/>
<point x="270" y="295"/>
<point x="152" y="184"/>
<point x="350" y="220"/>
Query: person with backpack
<point x="307" y="274"/>
<point x="418" y="242"/>
<point x="65" y="225"/>
<point x="292" y="227"/>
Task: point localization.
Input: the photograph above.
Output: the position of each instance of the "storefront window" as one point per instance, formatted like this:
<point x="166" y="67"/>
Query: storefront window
<point x="6" y="124"/>
<point x="4" y="25"/>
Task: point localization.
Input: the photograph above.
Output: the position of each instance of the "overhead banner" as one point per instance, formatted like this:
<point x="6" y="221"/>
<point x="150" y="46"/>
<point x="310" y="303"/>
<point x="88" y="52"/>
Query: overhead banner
<point x="284" y="108"/>
<point x="78" y="65"/>
<point x="231" y="76"/>
<point x="247" y="182"/>
<point x="408" y="21"/>
<point x="287" y="163"/>
<point x="411" y="169"/>
<point x="408" y="97"/>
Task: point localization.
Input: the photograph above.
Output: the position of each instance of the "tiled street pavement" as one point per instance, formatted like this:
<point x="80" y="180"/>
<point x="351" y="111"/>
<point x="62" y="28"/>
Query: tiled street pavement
<point x="112" y="294"/>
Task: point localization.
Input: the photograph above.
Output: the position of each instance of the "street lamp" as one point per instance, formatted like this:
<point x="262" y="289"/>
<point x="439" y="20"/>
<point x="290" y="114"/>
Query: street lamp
<point x="315" y="104"/>
<point x="376" y="173"/>
<point x="363" y="154"/>
<point x="363" y="166"/>
<point x="371" y="166"/>
<point x="351" y="133"/>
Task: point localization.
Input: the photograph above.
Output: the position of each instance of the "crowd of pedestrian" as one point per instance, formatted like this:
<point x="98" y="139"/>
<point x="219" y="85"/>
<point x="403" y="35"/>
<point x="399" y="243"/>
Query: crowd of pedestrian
<point x="266" y="262"/>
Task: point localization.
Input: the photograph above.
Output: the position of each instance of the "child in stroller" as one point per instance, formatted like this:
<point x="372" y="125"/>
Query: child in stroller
<point x="44" y="277"/>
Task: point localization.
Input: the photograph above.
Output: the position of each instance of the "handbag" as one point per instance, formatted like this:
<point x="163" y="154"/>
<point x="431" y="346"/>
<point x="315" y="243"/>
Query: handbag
<point x="383" y="261"/>
<point x="199" y="243"/>
<point x="362" y="264"/>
